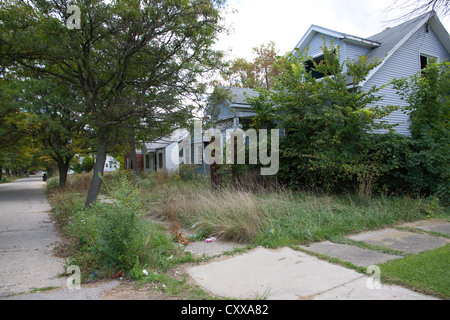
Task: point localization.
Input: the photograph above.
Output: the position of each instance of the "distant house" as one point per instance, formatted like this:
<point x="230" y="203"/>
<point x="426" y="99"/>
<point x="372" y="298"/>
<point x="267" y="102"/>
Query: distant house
<point x="111" y="164"/>
<point x="163" y="154"/>
<point x="403" y="51"/>
<point x="128" y="165"/>
<point x="234" y="110"/>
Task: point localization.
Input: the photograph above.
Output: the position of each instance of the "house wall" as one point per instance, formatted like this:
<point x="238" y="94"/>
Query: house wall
<point x="172" y="157"/>
<point x="405" y="62"/>
<point x="140" y="160"/>
<point x="111" y="164"/>
<point x="353" y="52"/>
<point x="316" y="44"/>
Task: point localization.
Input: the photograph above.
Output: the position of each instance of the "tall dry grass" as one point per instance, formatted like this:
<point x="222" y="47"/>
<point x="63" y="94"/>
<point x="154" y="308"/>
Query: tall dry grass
<point x="227" y="213"/>
<point x="261" y="211"/>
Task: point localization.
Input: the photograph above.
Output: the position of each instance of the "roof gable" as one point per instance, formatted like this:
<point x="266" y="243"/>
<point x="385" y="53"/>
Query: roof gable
<point x="394" y="38"/>
<point x="313" y="30"/>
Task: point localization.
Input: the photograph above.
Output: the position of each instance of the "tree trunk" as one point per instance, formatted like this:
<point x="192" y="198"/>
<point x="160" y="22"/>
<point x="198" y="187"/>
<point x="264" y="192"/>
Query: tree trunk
<point x="133" y="156"/>
<point x="100" y="160"/>
<point x="63" y="168"/>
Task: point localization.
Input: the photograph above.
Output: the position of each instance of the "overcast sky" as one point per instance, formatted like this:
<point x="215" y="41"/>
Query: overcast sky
<point x="256" y="22"/>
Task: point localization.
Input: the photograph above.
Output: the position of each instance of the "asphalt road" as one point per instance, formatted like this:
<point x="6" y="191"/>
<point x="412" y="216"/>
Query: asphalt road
<point x="27" y="239"/>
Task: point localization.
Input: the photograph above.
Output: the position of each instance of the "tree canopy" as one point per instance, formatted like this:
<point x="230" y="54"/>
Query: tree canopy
<point x="131" y="63"/>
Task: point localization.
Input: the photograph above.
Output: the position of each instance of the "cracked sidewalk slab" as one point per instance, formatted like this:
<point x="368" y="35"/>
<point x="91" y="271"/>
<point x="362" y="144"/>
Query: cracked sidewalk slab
<point x="218" y="247"/>
<point x="434" y="225"/>
<point x="284" y="274"/>
<point x="355" y="255"/>
<point x="401" y="240"/>
<point x="358" y="290"/>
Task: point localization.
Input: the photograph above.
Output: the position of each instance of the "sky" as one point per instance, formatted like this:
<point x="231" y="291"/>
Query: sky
<point x="257" y="22"/>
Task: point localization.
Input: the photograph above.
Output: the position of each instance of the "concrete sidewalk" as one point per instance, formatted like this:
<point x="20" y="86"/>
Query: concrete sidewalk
<point x="27" y="238"/>
<point x="291" y="274"/>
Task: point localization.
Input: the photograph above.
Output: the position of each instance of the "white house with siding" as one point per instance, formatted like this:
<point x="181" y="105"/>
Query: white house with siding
<point x="163" y="154"/>
<point x="403" y="51"/>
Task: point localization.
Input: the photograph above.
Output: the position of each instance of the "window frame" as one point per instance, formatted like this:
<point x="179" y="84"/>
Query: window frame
<point x="428" y="56"/>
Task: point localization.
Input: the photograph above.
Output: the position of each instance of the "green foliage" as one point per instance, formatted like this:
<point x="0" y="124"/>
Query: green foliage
<point x="114" y="236"/>
<point x="428" y="96"/>
<point x="325" y="121"/>
<point x="260" y="72"/>
<point x="87" y="164"/>
<point x="133" y="69"/>
<point x="188" y="172"/>
<point x="328" y="123"/>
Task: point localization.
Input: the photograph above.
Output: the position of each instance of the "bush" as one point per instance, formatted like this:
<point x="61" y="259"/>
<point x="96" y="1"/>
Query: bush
<point x="328" y="144"/>
<point x="114" y="236"/>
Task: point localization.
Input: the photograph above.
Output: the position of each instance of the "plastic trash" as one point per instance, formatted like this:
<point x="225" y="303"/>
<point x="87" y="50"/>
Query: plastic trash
<point x="145" y="272"/>
<point x="212" y="239"/>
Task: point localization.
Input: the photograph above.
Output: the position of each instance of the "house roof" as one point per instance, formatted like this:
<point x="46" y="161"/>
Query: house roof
<point x="240" y="95"/>
<point x="387" y="42"/>
<point x="164" y="142"/>
<point x="313" y="30"/>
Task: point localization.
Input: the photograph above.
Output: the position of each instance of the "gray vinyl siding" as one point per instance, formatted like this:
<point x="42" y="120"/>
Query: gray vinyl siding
<point x="224" y="111"/>
<point x="353" y="52"/>
<point x="316" y="44"/>
<point x="405" y="62"/>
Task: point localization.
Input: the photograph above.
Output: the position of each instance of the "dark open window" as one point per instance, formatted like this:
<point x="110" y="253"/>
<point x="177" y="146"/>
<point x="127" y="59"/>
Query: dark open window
<point x="147" y="161"/>
<point x="160" y="160"/>
<point x="309" y="66"/>
<point x="425" y="60"/>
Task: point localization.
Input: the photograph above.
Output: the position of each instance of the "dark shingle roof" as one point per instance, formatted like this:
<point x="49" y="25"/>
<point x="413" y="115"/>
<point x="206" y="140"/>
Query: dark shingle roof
<point x="239" y="95"/>
<point x="390" y="37"/>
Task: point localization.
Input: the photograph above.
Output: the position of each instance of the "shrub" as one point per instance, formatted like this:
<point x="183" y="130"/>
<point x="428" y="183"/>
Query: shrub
<point x="113" y="236"/>
<point x="328" y="144"/>
<point x="325" y="121"/>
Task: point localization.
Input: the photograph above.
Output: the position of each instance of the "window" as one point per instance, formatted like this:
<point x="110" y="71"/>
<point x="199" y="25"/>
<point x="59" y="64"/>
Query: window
<point x="147" y="161"/>
<point x="160" y="160"/>
<point x="425" y="60"/>
<point x="309" y="66"/>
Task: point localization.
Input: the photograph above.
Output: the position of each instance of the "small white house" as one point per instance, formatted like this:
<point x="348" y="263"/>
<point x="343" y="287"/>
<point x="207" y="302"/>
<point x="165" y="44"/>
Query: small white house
<point x="111" y="164"/>
<point x="163" y="154"/>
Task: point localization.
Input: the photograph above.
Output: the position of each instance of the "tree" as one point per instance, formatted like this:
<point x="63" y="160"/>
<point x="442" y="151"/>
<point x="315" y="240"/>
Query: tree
<point x="13" y="138"/>
<point x="325" y="121"/>
<point x="261" y="72"/>
<point x="418" y="7"/>
<point x="125" y="49"/>
<point x="54" y="120"/>
<point x="428" y="97"/>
